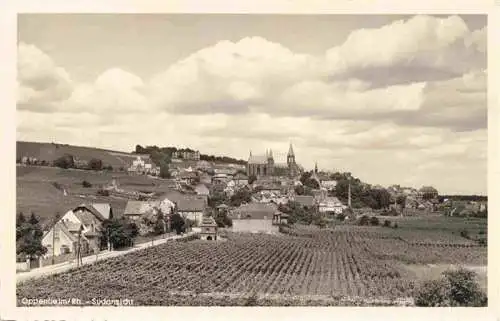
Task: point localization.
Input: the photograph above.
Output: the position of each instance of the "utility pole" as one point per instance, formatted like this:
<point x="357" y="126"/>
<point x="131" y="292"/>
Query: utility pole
<point x="349" y="195"/>
<point x="54" y="242"/>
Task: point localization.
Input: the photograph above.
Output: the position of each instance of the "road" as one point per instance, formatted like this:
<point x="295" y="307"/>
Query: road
<point x="65" y="266"/>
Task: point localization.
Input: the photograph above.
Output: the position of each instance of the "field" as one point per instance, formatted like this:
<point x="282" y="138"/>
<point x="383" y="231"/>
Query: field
<point x="41" y="189"/>
<point x="50" y="152"/>
<point x="346" y="266"/>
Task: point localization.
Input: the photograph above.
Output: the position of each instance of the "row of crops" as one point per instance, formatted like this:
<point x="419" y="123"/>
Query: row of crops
<point x="354" y="264"/>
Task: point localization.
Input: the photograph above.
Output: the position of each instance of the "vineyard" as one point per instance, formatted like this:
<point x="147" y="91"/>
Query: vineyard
<point x="321" y="267"/>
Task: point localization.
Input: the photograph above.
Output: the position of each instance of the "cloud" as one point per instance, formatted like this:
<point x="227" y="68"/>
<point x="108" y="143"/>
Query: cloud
<point x="41" y="83"/>
<point x="114" y="91"/>
<point x="422" y="41"/>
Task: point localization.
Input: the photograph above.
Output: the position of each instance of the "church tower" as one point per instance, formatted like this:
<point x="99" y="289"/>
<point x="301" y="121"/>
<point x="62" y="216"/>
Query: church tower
<point x="270" y="163"/>
<point x="290" y="160"/>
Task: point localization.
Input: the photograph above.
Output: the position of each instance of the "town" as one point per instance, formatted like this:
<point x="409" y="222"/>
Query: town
<point x="205" y="198"/>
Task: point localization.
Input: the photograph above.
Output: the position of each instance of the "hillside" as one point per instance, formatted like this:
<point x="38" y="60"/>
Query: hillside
<point x="51" y="151"/>
<point x="41" y="189"/>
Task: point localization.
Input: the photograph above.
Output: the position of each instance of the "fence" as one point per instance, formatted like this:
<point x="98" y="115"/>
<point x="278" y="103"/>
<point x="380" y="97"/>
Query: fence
<point x="22" y="266"/>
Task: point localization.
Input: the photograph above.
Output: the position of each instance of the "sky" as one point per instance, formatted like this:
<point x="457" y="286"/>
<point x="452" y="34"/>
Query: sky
<point x="392" y="99"/>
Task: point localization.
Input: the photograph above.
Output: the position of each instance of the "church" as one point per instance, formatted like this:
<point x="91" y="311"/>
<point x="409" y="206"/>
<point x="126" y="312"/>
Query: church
<point x="264" y="165"/>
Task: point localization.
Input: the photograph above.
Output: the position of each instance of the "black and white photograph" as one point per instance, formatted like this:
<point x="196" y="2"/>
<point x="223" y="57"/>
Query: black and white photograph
<point x="216" y="159"/>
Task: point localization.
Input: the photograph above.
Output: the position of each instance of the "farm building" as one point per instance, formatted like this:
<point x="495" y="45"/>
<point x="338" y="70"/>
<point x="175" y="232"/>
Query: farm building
<point x="189" y="206"/>
<point x="86" y="220"/>
<point x="305" y="200"/>
<point x="135" y="209"/>
<point x="208" y="229"/>
<point x="254" y="217"/>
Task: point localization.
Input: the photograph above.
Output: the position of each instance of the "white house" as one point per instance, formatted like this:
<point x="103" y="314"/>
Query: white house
<point x="331" y="205"/>
<point x="84" y="220"/>
<point x="135" y="209"/>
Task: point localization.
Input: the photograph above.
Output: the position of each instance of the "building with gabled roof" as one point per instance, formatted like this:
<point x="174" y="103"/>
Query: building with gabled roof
<point x="208" y="228"/>
<point x="83" y="223"/>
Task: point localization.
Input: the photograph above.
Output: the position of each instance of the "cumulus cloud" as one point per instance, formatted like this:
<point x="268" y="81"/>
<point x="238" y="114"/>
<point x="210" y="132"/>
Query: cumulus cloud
<point x="113" y="91"/>
<point x="41" y="83"/>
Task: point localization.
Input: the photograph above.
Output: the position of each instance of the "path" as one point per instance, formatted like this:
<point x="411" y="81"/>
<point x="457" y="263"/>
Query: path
<point x="62" y="267"/>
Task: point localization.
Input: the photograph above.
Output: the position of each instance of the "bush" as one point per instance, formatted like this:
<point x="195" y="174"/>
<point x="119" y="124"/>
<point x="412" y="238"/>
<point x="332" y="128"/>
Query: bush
<point x="374" y="221"/>
<point x="95" y="164"/>
<point x="464" y="234"/>
<point x="432" y="293"/>
<point x="455" y="288"/>
<point x="387" y="223"/>
<point x="396" y="225"/>
<point x="66" y="161"/>
<point x="86" y="184"/>
<point x="103" y="192"/>
<point x="363" y="220"/>
<point x="341" y="216"/>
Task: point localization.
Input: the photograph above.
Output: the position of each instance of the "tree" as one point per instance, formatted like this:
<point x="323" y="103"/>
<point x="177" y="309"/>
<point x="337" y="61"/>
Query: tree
<point x="241" y="196"/>
<point x="177" y="223"/>
<point x="164" y="172"/>
<point x="86" y="184"/>
<point x="29" y="236"/>
<point x="299" y="190"/>
<point x="95" y="164"/>
<point x="401" y="200"/>
<point x="251" y="179"/>
<point x="455" y="288"/>
<point x="66" y="161"/>
<point x="118" y="233"/>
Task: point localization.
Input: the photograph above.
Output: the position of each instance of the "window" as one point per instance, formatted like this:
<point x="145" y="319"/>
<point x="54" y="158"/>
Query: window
<point x="56" y="233"/>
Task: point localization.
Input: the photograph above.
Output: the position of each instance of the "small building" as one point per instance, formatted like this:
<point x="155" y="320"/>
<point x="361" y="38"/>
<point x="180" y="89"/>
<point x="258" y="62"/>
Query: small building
<point x="208" y="229"/>
<point x="305" y="201"/>
<point x="202" y="189"/>
<point x="240" y="179"/>
<point x="83" y="224"/>
<point x="254" y="218"/>
<point x="135" y="209"/>
<point x="280" y="218"/>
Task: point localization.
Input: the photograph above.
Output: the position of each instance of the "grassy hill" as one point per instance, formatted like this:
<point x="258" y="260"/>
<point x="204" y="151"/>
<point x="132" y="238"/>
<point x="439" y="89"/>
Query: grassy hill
<point x="41" y="189"/>
<point x="51" y="151"/>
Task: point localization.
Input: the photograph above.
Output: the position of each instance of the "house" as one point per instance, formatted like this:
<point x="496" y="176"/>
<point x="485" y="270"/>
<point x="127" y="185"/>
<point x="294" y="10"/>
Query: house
<point x="202" y="189"/>
<point x="305" y="201"/>
<point x="254" y="218"/>
<point x="280" y="218"/>
<point x="208" y="229"/>
<point x="187" y="177"/>
<point x="240" y="179"/>
<point x="135" y="209"/>
<point x="221" y="178"/>
<point x="191" y="208"/>
<point x="331" y="205"/>
<point x="186" y="154"/>
<point x="82" y="224"/>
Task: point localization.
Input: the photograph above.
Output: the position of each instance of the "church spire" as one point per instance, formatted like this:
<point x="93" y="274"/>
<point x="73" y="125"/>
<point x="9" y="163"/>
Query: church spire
<point x="316" y="167"/>
<point x="290" y="150"/>
<point x="270" y="153"/>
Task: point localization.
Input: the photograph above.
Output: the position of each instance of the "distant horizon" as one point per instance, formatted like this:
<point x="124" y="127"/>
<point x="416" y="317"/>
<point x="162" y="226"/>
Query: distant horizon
<point x="222" y="155"/>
